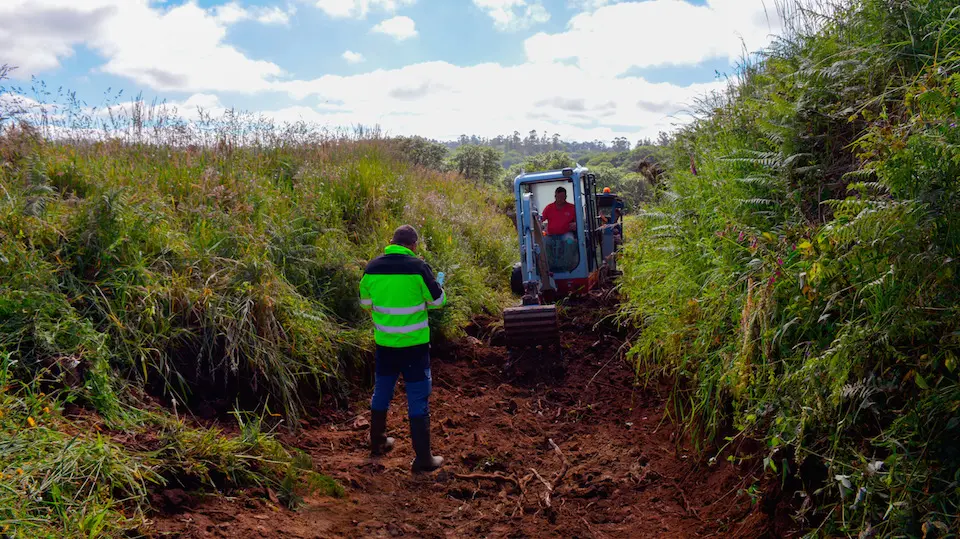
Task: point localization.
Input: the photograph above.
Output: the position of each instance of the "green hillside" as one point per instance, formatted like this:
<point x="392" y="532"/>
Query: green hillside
<point x="801" y="280"/>
<point x="144" y="282"/>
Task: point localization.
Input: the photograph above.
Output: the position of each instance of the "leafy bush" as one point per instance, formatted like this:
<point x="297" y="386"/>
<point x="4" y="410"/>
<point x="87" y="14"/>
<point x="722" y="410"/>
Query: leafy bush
<point x="478" y="163"/>
<point x="803" y="281"/>
<point x="422" y="152"/>
<point x="235" y="272"/>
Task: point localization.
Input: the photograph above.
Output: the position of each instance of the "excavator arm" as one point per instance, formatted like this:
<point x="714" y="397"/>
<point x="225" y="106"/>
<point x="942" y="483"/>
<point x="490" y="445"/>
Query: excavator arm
<point x="533" y="323"/>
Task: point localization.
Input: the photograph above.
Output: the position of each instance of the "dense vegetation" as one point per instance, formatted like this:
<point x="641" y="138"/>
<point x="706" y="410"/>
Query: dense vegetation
<point x="631" y="173"/>
<point x="167" y="268"/>
<point x="515" y="148"/>
<point x="794" y="271"/>
<point x="802" y="283"/>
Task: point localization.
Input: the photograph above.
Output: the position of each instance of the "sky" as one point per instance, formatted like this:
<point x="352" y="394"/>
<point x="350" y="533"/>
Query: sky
<point x="584" y="69"/>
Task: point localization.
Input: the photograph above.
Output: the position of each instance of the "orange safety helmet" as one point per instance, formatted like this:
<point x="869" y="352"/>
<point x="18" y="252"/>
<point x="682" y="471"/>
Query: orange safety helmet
<point x="606" y="190"/>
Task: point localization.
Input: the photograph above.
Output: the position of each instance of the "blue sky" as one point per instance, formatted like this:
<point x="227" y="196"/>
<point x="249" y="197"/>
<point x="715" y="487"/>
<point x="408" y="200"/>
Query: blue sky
<point x="586" y="69"/>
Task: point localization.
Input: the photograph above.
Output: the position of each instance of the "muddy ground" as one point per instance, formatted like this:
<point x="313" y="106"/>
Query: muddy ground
<point x="548" y="448"/>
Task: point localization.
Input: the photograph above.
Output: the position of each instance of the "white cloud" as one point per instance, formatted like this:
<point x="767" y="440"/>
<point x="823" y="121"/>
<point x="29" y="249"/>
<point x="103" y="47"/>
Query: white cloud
<point x="438" y="99"/>
<point x="400" y="28"/>
<point x="612" y="39"/>
<point x="36" y="35"/>
<point x="233" y="13"/>
<point x="274" y="15"/>
<point x="201" y="101"/>
<point x="360" y="8"/>
<point x="182" y="47"/>
<point x="353" y="57"/>
<point x="441" y="100"/>
<point x="587" y="5"/>
<point x="178" y="48"/>
<point x="510" y="15"/>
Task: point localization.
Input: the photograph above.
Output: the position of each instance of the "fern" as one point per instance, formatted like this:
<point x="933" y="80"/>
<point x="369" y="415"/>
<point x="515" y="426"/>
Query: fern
<point x="789" y="161"/>
<point x="862" y="392"/>
<point x="829" y="172"/>
<point x="768" y="182"/>
<point x="38" y="190"/>
<point x="807" y="169"/>
<point x="653" y="215"/>
<point x="757" y="202"/>
<point x="670" y="196"/>
<point x="867" y="188"/>
<point x="771" y="160"/>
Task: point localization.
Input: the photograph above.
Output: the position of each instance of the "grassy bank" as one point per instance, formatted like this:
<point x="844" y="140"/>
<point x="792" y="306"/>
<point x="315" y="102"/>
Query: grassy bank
<point x="802" y="279"/>
<point x="203" y="272"/>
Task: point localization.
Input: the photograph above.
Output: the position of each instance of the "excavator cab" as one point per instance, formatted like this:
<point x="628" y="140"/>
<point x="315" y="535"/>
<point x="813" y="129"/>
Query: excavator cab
<point x="549" y="268"/>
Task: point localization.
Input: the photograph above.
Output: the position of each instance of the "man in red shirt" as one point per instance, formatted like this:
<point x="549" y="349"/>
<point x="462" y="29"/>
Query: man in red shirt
<point x="561" y="219"/>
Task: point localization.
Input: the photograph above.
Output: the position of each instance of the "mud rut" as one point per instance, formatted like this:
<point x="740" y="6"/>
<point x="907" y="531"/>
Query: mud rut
<point x="546" y="449"/>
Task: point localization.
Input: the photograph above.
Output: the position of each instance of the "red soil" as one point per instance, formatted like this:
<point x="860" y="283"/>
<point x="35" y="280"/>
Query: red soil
<point x="617" y="468"/>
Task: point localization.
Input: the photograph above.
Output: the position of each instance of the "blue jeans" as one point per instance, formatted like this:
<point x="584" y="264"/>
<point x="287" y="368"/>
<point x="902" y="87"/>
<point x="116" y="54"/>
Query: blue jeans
<point x="414" y="364"/>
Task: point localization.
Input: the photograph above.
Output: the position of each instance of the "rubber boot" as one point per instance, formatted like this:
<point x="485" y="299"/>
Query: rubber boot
<point x="379" y="442"/>
<point x="420" y="435"/>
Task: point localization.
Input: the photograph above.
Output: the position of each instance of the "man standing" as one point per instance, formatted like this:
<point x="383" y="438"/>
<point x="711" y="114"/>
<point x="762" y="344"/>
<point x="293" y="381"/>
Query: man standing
<point x="398" y="288"/>
<point x="616" y="212"/>
<point x="561" y="219"/>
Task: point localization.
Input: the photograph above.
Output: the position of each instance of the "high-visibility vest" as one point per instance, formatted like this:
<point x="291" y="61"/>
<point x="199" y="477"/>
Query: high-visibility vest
<point x="398" y="289"/>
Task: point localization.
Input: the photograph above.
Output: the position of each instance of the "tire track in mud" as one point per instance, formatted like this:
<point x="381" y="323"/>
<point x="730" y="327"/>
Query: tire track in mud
<point x="547" y="449"/>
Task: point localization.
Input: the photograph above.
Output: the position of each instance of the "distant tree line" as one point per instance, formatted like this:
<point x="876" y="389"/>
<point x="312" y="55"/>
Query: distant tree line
<point x="515" y="147"/>
<point x="630" y="171"/>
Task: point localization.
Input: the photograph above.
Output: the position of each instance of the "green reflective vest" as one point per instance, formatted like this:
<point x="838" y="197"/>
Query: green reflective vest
<point x="399" y="288"/>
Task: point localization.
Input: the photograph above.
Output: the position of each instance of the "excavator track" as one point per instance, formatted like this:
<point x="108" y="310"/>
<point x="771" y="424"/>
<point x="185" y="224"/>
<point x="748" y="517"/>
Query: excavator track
<point x="531" y="325"/>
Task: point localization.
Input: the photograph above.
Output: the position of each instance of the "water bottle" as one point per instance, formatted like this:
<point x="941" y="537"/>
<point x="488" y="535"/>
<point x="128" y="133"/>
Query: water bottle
<point x="440" y="278"/>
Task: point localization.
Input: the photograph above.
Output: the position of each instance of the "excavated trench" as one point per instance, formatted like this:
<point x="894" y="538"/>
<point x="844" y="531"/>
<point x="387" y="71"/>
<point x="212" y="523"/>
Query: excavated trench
<point x="534" y="447"/>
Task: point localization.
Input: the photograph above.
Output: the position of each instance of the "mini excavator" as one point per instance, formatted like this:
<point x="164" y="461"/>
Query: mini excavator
<point x="544" y="273"/>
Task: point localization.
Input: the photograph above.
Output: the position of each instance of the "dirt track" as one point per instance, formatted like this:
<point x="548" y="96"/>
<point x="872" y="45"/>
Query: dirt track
<point x="585" y="432"/>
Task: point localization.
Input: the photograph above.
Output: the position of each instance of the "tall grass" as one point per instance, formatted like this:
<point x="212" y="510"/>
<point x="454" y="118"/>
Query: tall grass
<point x="210" y="264"/>
<point x="223" y="266"/>
<point x="803" y="283"/>
<point x="64" y="473"/>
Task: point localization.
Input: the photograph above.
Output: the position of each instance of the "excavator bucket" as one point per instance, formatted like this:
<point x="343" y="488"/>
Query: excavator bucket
<point x="531" y="325"/>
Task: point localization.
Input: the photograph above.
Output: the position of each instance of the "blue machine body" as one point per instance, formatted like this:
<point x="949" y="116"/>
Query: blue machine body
<point x="533" y="192"/>
<point x="534" y="323"/>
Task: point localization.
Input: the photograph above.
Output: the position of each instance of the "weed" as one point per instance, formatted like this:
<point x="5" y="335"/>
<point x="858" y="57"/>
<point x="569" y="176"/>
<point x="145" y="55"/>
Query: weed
<point x="801" y="283"/>
<point x="207" y="264"/>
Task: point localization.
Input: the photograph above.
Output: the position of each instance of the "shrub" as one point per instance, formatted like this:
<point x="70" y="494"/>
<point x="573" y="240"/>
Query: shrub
<point x="216" y="263"/>
<point x="801" y="282"/>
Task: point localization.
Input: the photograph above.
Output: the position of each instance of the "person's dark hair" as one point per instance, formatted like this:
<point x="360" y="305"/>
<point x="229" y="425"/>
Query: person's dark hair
<point x="560" y="190"/>
<point x="405" y="235"/>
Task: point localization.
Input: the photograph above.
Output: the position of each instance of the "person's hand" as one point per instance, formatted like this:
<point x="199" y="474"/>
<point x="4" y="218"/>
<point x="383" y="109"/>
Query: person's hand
<point x="441" y="277"/>
<point x="573" y="226"/>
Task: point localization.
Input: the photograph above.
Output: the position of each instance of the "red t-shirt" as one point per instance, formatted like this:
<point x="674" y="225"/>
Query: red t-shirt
<point x="559" y="219"/>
